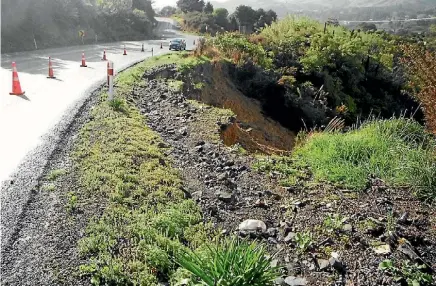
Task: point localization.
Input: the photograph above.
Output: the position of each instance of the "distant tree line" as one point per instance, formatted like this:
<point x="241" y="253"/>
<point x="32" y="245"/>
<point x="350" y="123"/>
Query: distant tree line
<point x="201" y="16"/>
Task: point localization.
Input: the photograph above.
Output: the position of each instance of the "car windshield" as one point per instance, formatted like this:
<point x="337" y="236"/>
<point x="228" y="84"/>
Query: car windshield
<point x="176" y="41"/>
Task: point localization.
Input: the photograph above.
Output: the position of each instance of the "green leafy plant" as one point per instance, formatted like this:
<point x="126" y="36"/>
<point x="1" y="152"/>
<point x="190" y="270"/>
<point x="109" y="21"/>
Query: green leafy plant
<point x="72" y="202"/>
<point x="334" y="222"/>
<point x="304" y="241"/>
<point x="412" y="274"/>
<point x="231" y="262"/>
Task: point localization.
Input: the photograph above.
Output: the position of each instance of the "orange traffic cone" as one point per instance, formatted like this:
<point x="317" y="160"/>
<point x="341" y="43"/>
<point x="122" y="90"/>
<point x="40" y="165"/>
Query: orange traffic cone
<point x="16" y="86"/>
<point x="83" y="65"/>
<point x="50" y="69"/>
<point x="161" y="46"/>
<point x="104" y="56"/>
<point x="125" y="52"/>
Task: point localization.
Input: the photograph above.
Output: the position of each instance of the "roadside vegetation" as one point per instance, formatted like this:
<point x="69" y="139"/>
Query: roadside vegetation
<point x="50" y="23"/>
<point x="147" y="222"/>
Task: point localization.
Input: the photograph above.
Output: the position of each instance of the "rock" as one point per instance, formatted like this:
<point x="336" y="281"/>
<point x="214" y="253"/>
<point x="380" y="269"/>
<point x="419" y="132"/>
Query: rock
<point x="348" y="228"/>
<point x="295" y="281"/>
<point x="407" y="249"/>
<point x="272" y="240"/>
<point x="183" y="131"/>
<point x="323" y="264"/>
<point x="225" y="196"/>
<point x="199" y="148"/>
<point x="403" y="217"/>
<point x="279" y="281"/>
<point x="252" y="225"/>
<point x="336" y="264"/>
<point x="197" y="195"/>
<point x="272" y="231"/>
<point x="222" y="177"/>
<point x="382" y="249"/>
<point x="162" y="145"/>
<point x="200" y="143"/>
<point x="289" y="237"/>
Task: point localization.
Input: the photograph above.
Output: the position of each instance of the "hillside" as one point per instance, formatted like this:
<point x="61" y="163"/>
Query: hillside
<point x="27" y="24"/>
<point x="289" y="6"/>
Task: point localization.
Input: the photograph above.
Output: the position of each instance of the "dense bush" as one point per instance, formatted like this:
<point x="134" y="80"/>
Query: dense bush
<point x="335" y="72"/>
<point x="57" y="22"/>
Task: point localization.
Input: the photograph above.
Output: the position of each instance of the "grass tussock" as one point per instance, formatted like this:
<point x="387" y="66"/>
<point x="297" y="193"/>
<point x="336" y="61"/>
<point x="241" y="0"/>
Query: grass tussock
<point x="231" y="263"/>
<point x="398" y="151"/>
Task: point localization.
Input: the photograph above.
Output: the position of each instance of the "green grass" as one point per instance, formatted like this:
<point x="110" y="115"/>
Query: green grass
<point x="230" y="262"/>
<point x="146" y="220"/>
<point x="175" y="85"/>
<point x="398" y="151"/>
<point x="54" y="174"/>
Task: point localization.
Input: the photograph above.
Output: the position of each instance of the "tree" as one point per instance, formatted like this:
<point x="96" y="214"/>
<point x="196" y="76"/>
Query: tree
<point x="270" y="16"/>
<point x="168" y="11"/>
<point x="233" y="23"/>
<point x="245" y="15"/>
<point x="220" y="15"/>
<point x="190" y="5"/>
<point x="208" y="9"/>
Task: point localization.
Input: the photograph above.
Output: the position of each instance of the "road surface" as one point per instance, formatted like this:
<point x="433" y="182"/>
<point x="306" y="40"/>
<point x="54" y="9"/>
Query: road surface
<point x="25" y="119"/>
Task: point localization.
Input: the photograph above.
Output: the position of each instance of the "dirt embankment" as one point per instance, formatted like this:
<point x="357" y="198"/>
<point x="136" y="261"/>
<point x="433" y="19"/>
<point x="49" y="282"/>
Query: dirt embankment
<point x="251" y="128"/>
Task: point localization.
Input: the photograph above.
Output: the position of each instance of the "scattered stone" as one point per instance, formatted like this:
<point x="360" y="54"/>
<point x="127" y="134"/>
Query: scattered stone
<point x="225" y="196"/>
<point x="279" y="281"/>
<point x="403" y="217"/>
<point x="200" y="143"/>
<point x="336" y="264"/>
<point x="295" y="281"/>
<point x="289" y="237"/>
<point x="197" y="195"/>
<point x="252" y="225"/>
<point x="382" y="249"/>
<point x="323" y="264"/>
<point x="348" y="228"/>
<point x="272" y="240"/>
<point x="199" y="148"/>
<point x="272" y="231"/>
<point x="162" y="145"/>
<point x="407" y="249"/>
<point x="183" y="131"/>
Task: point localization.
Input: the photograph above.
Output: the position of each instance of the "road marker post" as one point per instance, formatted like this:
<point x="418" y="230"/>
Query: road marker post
<point x="125" y="52"/>
<point x="151" y="51"/>
<point x="110" y="80"/>
<point x="16" y="86"/>
<point x="142" y="50"/>
<point x="161" y="46"/>
<point x="104" y="56"/>
<point x="50" y="69"/>
<point x="83" y="65"/>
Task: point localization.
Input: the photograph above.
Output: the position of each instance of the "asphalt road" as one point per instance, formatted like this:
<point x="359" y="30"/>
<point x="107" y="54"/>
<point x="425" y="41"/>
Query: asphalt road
<point x="26" y="120"/>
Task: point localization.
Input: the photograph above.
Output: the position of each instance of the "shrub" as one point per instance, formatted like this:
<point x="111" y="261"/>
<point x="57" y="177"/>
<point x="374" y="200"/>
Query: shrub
<point x="231" y="263"/>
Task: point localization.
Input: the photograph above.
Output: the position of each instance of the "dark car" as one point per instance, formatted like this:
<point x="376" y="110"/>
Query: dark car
<point x="178" y="45"/>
